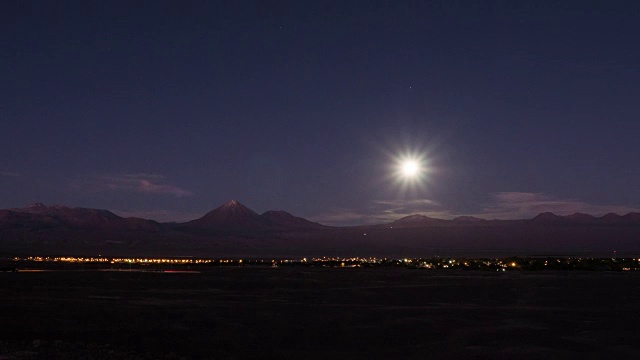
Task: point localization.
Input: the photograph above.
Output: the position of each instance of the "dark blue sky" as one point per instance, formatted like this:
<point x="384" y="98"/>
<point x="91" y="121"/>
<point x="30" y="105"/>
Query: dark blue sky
<point x="166" y="110"/>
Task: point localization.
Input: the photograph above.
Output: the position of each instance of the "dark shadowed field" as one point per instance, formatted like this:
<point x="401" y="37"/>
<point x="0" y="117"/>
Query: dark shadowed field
<point x="317" y="313"/>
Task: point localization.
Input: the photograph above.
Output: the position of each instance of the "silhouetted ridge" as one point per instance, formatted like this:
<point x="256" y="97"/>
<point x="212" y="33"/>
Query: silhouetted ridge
<point x="60" y="215"/>
<point x="283" y="218"/>
<point x="580" y="217"/>
<point x="586" y="219"/>
<point x="415" y="220"/>
<point x="468" y="219"/>
<point x="67" y="212"/>
<point x="633" y="217"/>
<point x="546" y="216"/>
<point x="34" y="206"/>
<point x="232" y="229"/>
<point x="610" y="218"/>
<point x="232" y="213"/>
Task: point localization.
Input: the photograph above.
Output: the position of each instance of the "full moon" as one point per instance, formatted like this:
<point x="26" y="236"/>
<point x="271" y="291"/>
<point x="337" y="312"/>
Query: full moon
<point x="409" y="168"/>
<point x="410" y="171"/>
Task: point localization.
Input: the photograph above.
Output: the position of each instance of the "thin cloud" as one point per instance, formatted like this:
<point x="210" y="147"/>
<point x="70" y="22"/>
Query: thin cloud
<point x="140" y="183"/>
<point x="404" y="203"/>
<point x="144" y="176"/>
<point x="346" y="217"/>
<point x="150" y="187"/>
<point x="159" y="215"/>
<point x="502" y="205"/>
<point x="523" y="205"/>
<point x="382" y="211"/>
<point x="407" y="207"/>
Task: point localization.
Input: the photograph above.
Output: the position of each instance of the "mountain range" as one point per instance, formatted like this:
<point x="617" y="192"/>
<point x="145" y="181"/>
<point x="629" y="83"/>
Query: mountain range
<point x="235" y="230"/>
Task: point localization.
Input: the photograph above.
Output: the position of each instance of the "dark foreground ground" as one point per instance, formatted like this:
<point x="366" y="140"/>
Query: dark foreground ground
<point x="316" y="313"/>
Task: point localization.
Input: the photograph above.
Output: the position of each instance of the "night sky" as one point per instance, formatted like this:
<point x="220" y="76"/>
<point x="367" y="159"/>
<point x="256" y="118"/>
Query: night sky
<point x="166" y="110"/>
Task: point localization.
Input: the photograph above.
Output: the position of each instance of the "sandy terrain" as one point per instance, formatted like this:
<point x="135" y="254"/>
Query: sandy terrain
<point x="316" y="313"/>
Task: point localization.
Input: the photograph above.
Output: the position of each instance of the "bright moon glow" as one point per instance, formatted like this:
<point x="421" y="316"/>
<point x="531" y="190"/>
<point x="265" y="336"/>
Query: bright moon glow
<point x="410" y="171"/>
<point x="410" y="168"/>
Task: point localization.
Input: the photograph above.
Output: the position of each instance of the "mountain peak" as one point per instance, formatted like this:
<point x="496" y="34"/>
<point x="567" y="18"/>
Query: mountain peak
<point x="632" y="216"/>
<point x="465" y="218"/>
<point x="231" y="213"/>
<point x="35" y="208"/>
<point x="415" y="217"/>
<point x="415" y="220"/>
<point x="235" y="206"/>
<point x="550" y="218"/>
<point x="546" y="216"/>
<point x="614" y="219"/>
<point x="36" y="205"/>
<point x="611" y="215"/>
<point x="283" y="218"/>
<point x="580" y="217"/>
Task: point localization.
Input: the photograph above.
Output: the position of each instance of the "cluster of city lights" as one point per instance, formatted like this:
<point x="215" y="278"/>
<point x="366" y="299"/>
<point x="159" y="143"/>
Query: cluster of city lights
<point x="515" y="263"/>
<point x="363" y="260"/>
